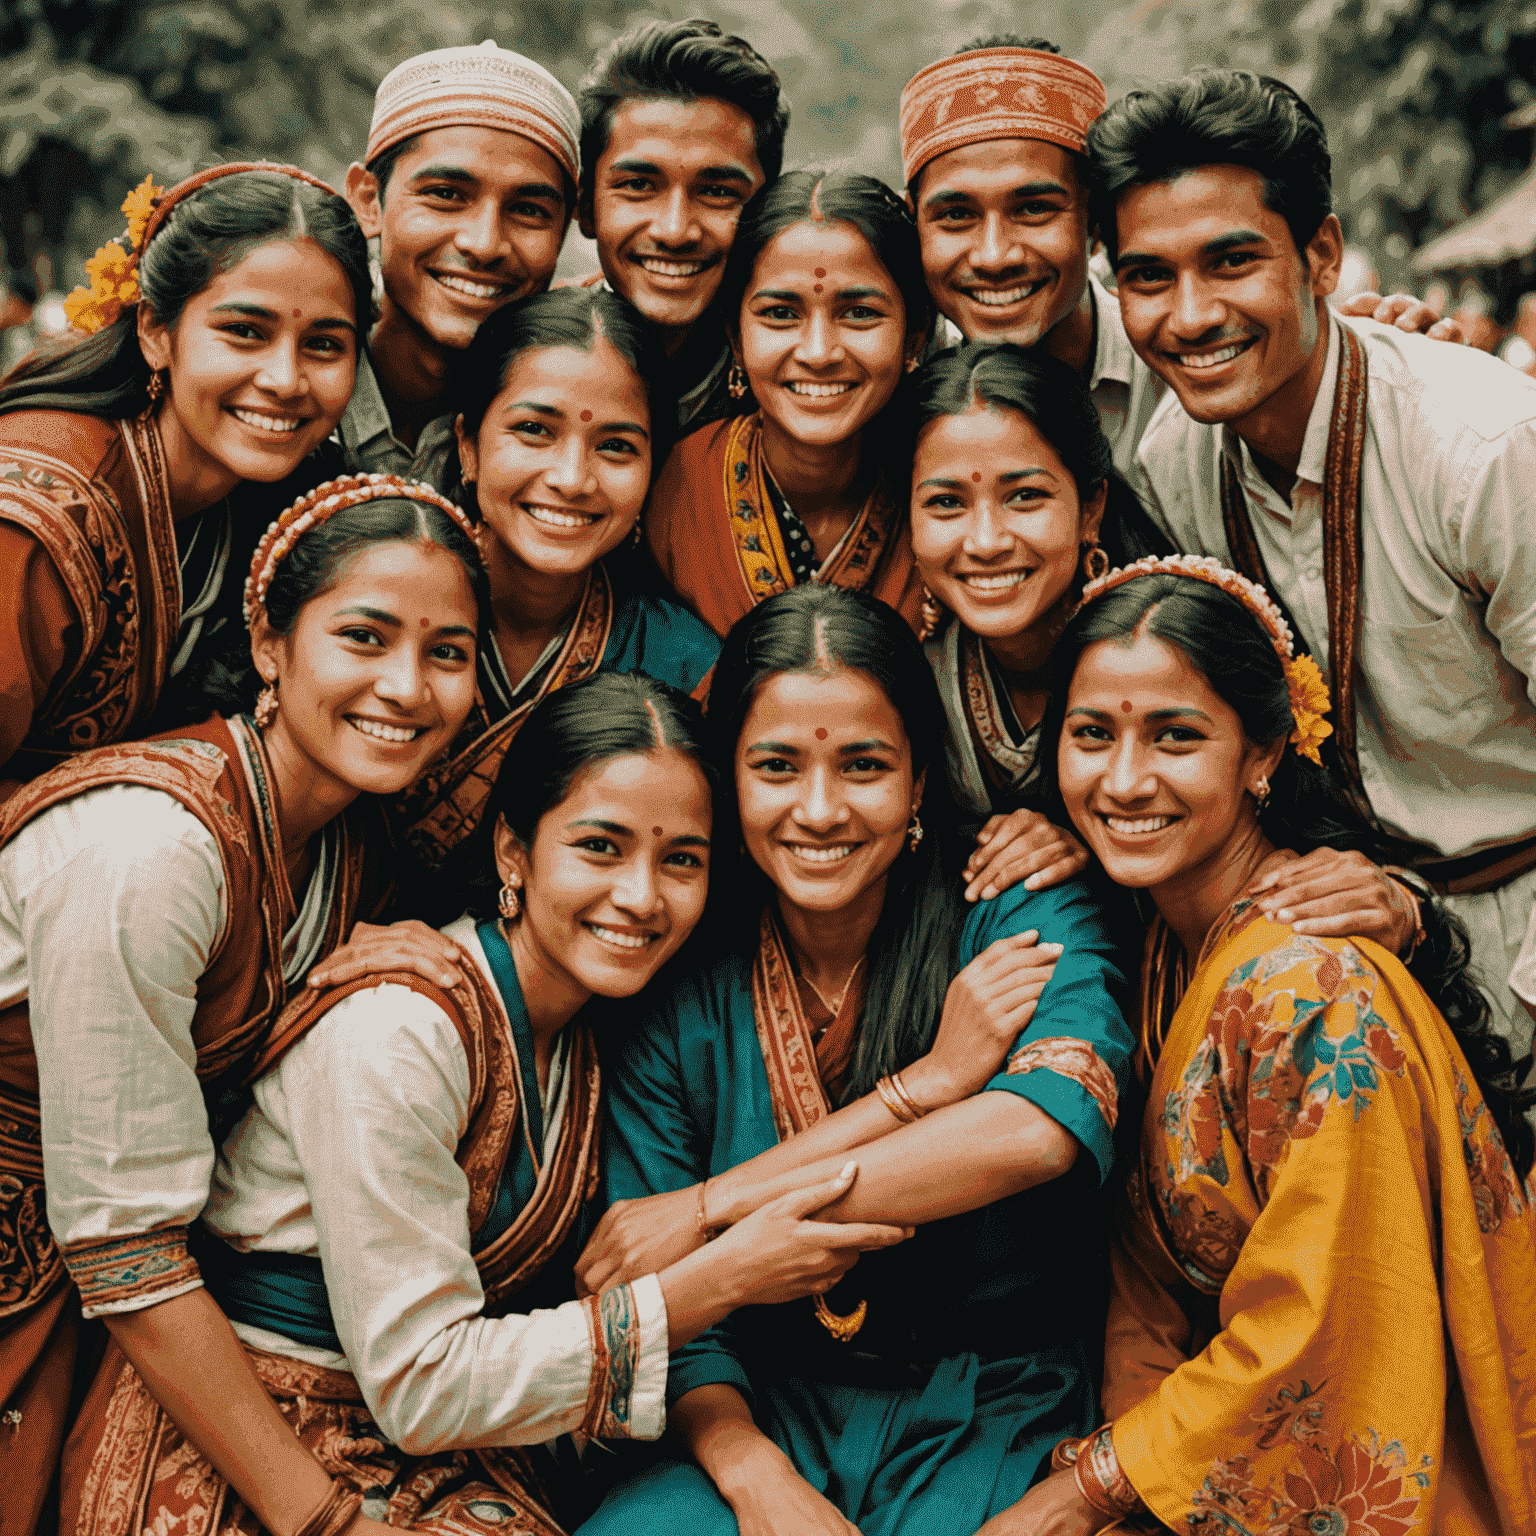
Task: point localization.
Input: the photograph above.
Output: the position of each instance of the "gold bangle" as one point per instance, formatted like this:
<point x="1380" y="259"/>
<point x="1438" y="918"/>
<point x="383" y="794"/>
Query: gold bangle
<point x="916" y="1110"/>
<point x="334" y="1513"/>
<point x="705" y="1230"/>
<point x="891" y="1097"/>
<point x="1104" y="1508"/>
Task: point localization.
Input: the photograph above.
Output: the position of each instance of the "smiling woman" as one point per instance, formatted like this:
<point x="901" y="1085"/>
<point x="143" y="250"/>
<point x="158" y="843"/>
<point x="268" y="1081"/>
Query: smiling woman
<point x="122" y="449"/>
<point x="826" y="306"/>
<point x="158" y="903"/>
<point x="564" y="411"/>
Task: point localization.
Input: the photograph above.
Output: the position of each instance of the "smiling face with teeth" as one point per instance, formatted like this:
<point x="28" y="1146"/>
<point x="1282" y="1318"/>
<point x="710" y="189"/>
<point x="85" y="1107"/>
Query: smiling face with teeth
<point x="997" y="524"/>
<point x="663" y="202"/>
<point x="823" y="336"/>
<point x="1218" y="301"/>
<point x="374" y="678"/>
<point x="616" y="876"/>
<point x="1004" y="231"/>
<point x="472" y="218"/>
<point x="261" y="365"/>
<point x="561" y="463"/>
<point x="825" y="789"/>
<point x="1161" y="791"/>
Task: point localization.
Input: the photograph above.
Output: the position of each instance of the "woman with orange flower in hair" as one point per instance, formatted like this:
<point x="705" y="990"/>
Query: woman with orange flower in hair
<point x="1324" y="1269"/>
<point x="159" y="901"/>
<point x="222" y="342"/>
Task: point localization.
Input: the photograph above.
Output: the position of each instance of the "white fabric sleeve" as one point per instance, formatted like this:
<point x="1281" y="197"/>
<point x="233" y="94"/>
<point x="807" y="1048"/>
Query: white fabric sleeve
<point x="118" y="901"/>
<point x="375" y="1100"/>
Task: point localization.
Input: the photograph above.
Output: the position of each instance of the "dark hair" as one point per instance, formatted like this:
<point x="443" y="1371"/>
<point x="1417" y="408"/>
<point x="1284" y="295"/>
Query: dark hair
<point x="316" y="562"/>
<point x="683" y="61"/>
<point x="383" y="164"/>
<point x="912" y="951"/>
<point x="1225" y="642"/>
<point x="563" y="317"/>
<point x="209" y="231"/>
<point x="1055" y="400"/>
<point x="829" y="197"/>
<point x="1215" y="117"/>
<point x="1006" y="40"/>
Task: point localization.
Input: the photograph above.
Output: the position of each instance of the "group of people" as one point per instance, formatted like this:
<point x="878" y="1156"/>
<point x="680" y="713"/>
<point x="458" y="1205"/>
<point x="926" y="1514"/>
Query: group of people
<point x="843" y="843"/>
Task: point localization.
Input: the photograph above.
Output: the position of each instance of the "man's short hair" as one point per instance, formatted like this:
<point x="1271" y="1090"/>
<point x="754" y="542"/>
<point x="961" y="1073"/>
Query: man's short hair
<point x="683" y="61"/>
<point x="1007" y="40"/>
<point x="1215" y="117"/>
<point x="383" y="166"/>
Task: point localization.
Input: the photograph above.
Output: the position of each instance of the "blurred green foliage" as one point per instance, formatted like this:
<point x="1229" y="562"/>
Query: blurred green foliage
<point x="95" y="94"/>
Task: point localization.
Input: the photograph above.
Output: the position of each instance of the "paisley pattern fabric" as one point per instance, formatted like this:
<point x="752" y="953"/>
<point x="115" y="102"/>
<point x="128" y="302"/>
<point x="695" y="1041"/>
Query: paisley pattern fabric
<point x="1324" y="1265"/>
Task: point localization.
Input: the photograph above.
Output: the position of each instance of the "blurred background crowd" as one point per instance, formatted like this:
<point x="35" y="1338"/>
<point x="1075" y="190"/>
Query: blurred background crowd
<point x="1429" y="104"/>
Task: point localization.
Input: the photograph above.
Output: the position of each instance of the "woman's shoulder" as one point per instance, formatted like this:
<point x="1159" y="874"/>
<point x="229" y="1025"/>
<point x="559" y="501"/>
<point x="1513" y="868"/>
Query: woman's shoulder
<point x="692" y="454"/>
<point x="661" y="638"/>
<point x="44" y="439"/>
<point x="1081" y="908"/>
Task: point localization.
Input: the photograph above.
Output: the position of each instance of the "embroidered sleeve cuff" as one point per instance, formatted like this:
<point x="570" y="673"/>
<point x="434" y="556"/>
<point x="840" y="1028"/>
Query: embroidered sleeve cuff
<point x="1067" y="1078"/>
<point x="126" y="1274"/>
<point x="649" y="1415"/>
<point x="1100" y="1469"/>
<point x="614" y="1329"/>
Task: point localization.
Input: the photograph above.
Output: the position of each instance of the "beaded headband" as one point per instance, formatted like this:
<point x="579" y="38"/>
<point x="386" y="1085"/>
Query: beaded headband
<point x="323" y="503"/>
<point x="114" y="269"/>
<point x="1303" y="681"/>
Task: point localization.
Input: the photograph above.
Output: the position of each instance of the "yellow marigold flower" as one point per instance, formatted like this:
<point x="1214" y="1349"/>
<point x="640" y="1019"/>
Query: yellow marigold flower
<point x="139" y="205"/>
<point x="1309" y="703"/>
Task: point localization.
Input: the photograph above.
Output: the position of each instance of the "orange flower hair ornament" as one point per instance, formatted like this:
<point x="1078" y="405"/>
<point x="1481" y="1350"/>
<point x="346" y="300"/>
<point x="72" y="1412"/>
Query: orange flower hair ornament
<point x="323" y="503"/>
<point x="114" y="269"/>
<point x="1303" y="680"/>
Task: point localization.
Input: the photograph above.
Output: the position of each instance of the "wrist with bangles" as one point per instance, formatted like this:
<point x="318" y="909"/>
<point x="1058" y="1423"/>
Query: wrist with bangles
<point x="334" y="1513"/>
<point x="896" y="1098"/>
<point x="707" y="1231"/>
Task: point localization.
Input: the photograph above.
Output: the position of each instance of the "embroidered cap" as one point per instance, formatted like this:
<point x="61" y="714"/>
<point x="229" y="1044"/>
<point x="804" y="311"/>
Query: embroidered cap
<point x="997" y="93"/>
<point x="484" y="87"/>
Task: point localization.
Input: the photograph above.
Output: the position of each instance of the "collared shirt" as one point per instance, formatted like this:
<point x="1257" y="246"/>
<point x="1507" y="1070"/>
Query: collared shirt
<point x="371" y="447"/>
<point x="1124" y="390"/>
<point x="1445" y="703"/>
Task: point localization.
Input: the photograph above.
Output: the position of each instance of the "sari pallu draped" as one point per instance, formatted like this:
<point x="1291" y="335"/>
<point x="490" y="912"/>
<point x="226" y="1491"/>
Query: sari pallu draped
<point x="712" y="529"/>
<point x="127" y="1464"/>
<point x="218" y="772"/>
<point x="1325" y="1271"/>
<point x="90" y="589"/>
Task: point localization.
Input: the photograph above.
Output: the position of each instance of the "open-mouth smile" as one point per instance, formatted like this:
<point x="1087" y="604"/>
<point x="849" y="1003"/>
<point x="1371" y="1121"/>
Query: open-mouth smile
<point x="659" y="266"/>
<point x="378" y="730"/>
<point x="821" y="854"/>
<point x="471" y="288"/>
<point x="559" y="517"/>
<point x="1001" y="298"/>
<point x="808" y="390"/>
<point x="267" y="421"/>
<point x="1136" y="826"/>
<point x="989" y="583"/>
<point x="617" y="938"/>
<point x="1197" y="361"/>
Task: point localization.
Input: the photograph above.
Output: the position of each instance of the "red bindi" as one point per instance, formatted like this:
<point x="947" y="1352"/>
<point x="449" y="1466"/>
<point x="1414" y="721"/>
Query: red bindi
<point x="821" y="271"/>
<point x="296" y="314"/>
<point x="655" y="831"/>
<point x="818" y="288"/>
<point x="586" y="415"/>
<point x="1125" y="704"/>
<point x="976" y="476"/>
<point x="821" y="733"/>
<point x="423" y="623"/>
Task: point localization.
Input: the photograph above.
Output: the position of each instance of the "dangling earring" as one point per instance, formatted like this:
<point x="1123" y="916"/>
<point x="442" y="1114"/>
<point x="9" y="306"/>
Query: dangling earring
<point x="736" y="382"/>
<point x="266" y="707"/>
<point x="638" y="534"/>
<point x="933" y="613"/>
<point x="1261" y="790"/>
<point x="507" y="902"/>
<point x="914" y="831"/>
<point x="155" y="389"/>
<point x="1095" y="561"/>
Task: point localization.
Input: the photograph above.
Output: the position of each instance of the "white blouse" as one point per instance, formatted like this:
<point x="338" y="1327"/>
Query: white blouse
<point x="348" y="1155"/>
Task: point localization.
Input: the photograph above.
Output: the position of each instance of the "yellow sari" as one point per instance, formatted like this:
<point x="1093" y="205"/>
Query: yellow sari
<point x="1323" y="1316"/>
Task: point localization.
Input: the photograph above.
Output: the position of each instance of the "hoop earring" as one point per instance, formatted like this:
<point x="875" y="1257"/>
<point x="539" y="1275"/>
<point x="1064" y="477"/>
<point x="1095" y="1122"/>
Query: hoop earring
<point x="914" y="832"/>
<point x="736" y="382"/>
<point x="1095" y="561"/>
<point x="155" y="389"/>
<point x="266" y="707"/>
<point x="507" y="901"/>
<point x="1261" y="790"/>
<point x="933" y="614"/>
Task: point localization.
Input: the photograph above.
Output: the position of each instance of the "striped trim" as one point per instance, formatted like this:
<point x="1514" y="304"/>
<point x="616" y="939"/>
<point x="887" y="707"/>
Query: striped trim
<point x="613" y="1323"/>
<point x="123" y="1274"/>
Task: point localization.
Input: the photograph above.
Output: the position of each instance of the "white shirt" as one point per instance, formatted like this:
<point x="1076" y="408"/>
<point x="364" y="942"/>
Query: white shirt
<point x="348" y="1155"/>
<point x="1446" y="724"/>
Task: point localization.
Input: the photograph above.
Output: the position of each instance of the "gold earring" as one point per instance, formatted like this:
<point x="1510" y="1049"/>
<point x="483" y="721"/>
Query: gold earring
<point x="1095" y="561"/>
<point x="933" y="614"/>
<point x="1261" y="789"/>
<point x="911" y="363"/>
<point x="507" y="902"/>
<point x="736" y="382"/>
<point x="638" y="533"/>
<point x="914" y="831"/>
<point x="266" y="707"/>
<point x="156" y="386"/>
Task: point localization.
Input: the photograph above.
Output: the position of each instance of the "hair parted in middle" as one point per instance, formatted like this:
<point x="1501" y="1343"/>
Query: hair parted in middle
<point x="1215" y="117"/>
<point x="817" y="628"/>
<point x="684" y="61"/>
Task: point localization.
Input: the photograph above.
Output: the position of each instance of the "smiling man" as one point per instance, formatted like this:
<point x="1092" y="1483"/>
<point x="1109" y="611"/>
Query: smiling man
<point x="1376" y="483"/>
<point x="680" y="125"/>
<point x="469" y="184"/>
<point x="993" y="143"/>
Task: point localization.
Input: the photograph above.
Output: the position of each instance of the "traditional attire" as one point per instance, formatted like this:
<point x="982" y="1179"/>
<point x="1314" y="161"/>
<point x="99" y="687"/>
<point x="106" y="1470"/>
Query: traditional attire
<point x="148" y="938"/>
<point x="725" y="538"/>
<point x="1325" y="1270"/>
<point x="1404" y="560"/>
<point x="442" y="810"/>
<point x="398" y="1185"/>
<point x="971" y="1362"/>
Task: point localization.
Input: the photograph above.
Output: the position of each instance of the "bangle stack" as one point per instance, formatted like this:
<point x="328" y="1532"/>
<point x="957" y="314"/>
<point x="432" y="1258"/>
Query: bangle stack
<point x="893" y="1094"/>
<point x="334" y="1513"/>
